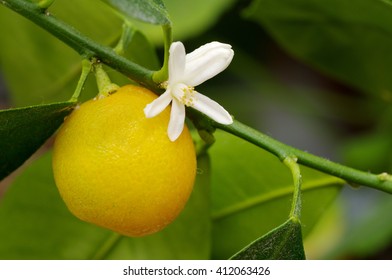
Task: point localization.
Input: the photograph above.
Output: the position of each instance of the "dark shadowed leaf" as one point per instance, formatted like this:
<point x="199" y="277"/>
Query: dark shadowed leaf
<point x="24" y="130"/>
<point x="137" y="48"/>
<point x="282" y="243"/>
<point x="349" y="40"/>
<point x="150" y="11"/>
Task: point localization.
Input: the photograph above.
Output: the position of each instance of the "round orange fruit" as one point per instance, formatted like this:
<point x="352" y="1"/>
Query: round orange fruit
<point x="117" y="169"/>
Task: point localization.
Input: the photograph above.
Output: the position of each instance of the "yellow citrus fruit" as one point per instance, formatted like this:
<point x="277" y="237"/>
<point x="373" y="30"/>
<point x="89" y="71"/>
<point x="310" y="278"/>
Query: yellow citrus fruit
<point x="119" y="170"/>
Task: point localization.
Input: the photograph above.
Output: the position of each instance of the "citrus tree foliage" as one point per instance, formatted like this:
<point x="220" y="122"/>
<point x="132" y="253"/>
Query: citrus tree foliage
<point x="312" y="73"/>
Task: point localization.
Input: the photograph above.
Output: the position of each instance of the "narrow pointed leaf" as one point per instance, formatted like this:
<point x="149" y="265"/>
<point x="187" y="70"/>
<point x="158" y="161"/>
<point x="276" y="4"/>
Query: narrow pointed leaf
<point x="282" y="243"/>
<point x="24" y="130"/>
<point x="150" y="11"/>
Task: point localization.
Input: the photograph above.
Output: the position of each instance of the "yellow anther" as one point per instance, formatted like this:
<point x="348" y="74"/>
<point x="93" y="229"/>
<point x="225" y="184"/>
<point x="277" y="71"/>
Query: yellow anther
<point x="188" y="97"/>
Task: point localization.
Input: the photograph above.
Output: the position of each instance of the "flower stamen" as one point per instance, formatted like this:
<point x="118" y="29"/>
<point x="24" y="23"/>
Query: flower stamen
<point x="189" y="96"/>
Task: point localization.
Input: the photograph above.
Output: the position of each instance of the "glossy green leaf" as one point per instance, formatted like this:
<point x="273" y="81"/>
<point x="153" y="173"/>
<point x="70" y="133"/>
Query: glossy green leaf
<point x="252" y="192"/>
<point x="282" y="243"/>
<point x="35" y="224"/>
<point x="349" y="40"/>
<point x="24" y="130"/>
<point x="150" y="11"/>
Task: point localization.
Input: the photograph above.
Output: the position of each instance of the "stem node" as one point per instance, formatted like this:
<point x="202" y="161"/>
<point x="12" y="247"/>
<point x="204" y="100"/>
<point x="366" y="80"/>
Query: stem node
<point x="384" y="177"/>
<point x="105" y="85"/>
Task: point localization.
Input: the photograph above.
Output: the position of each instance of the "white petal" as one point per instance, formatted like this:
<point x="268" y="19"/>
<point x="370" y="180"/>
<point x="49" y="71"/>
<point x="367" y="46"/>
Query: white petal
<point x="176" y="62"/>
<point x="212" y="109"/>
<point x="202" y="50"/>
<point x="177" y="119"/>
<point x="158" y="105"/>
<point x="206" y="62"/>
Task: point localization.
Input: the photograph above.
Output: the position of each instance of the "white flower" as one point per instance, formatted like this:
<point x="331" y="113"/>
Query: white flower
<point x="185" y="72"/>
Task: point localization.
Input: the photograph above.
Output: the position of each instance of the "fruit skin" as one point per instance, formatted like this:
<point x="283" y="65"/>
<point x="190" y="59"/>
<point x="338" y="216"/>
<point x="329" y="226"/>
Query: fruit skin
<point x="117" y="169"/>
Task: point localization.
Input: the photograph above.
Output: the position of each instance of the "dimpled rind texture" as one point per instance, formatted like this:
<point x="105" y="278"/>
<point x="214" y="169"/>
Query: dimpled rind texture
<point x="117" y="169"/>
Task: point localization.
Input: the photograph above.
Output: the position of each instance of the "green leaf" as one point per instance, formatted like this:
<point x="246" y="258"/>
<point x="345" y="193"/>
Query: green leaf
<point x="37" y="225"/>
<point x="349" y="41"/>
<point x="24" y="130"/>
<point x="252" y="192"/>
<point x="150" y="11"/>
<point x="135" y="46"/>
<point x="282" y="243"/>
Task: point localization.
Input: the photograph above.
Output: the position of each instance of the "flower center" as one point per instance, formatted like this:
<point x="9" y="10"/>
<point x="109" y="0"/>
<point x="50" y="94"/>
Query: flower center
<point x="185" y="94"/>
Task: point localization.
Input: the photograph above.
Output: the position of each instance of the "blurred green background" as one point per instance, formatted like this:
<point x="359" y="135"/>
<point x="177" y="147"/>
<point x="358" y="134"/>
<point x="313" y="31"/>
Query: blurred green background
<point x="314" y="74"/>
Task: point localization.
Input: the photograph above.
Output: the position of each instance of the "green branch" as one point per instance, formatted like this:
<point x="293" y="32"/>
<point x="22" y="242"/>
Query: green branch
<point x="86" y="47"/>
<point x="89" y="49"/>
<point x="382" y="182"/>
